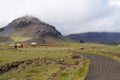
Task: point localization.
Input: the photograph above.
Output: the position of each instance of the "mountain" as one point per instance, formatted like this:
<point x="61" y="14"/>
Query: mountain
<point x="30" y="28"/>
<point x="99" y="37"/>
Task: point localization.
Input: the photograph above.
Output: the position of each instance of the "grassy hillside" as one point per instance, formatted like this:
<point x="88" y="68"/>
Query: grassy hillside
<point x="5" y="39"/>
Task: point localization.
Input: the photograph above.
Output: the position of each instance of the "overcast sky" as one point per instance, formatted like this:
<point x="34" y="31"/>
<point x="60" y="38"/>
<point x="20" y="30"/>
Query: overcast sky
<point x="68" y="16"/>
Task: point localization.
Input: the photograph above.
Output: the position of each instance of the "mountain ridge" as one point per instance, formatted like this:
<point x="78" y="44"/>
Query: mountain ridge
<point x="98" y="37"/>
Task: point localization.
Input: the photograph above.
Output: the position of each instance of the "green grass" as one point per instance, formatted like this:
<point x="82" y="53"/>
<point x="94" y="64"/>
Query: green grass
<point x="75" y="74"/>
<point x="33" y="73"/>
<point x="110" y="51"/>
<point x="54" y="53"/>
<point x="20" y="38"/>
<point x="7" y="56"/>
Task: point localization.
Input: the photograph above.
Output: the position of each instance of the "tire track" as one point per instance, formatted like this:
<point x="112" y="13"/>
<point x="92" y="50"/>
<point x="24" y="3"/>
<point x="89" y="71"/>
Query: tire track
<point x="102" y="68"/>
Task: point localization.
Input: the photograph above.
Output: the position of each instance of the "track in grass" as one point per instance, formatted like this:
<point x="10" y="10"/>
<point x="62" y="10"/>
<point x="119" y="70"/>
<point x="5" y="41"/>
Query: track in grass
<point x="102" y="68"/>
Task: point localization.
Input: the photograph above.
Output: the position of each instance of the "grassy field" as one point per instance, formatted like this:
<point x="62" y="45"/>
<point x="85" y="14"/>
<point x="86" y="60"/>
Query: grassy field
<point x="49" y="62"/>
<point x="111" y="51"/>
<point x="52" y="61"/>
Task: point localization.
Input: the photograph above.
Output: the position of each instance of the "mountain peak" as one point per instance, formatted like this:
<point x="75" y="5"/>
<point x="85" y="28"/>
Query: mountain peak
<point x="31" y="28"/>
<point x="27" y="18"/>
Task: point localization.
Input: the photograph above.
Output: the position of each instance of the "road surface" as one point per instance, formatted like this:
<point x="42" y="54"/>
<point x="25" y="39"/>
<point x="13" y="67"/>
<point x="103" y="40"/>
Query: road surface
<point x="102" y="68"/>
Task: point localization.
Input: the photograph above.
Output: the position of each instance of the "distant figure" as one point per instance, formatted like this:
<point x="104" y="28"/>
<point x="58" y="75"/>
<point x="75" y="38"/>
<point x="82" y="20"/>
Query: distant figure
<point x="15" y="45"/>
<point x="20" y="45"/>
<point x="81" y="41"/>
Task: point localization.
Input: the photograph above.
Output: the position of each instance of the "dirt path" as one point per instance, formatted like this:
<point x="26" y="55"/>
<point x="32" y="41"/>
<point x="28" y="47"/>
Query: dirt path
<point x="102" y="68"/>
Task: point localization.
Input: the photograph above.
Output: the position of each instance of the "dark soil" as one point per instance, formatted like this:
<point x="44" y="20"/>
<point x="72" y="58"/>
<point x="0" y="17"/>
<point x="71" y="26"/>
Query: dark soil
<point x="102" y="68"/>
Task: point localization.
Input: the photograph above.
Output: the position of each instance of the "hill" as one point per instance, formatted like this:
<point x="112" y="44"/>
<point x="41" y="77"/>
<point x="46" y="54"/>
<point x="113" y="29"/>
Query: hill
<point x="30" y="28"/>
<point x="99" y="37"/>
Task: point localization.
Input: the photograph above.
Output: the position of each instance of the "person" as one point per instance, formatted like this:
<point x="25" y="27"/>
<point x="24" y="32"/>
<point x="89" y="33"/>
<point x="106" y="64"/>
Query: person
<point x="15" y="45"/>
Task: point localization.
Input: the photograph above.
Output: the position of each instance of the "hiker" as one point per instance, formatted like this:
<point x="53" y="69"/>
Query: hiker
<point x="15" y="45"/>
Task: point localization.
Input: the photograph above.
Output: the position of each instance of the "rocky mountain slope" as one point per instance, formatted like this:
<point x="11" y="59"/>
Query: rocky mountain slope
<point x="30" y="28"/>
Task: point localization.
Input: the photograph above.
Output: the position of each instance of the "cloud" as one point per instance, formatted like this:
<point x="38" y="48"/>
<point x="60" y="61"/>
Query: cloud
<point x="69" y="16"/>
<point x="114" y="2"/>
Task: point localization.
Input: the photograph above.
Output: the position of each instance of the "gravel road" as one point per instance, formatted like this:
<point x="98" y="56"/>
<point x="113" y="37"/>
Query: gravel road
<point x="102" y="68"/>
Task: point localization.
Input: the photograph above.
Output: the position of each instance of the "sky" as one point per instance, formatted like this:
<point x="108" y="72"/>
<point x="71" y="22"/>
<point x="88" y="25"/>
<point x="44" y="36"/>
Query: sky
<point x="68" y="16"/>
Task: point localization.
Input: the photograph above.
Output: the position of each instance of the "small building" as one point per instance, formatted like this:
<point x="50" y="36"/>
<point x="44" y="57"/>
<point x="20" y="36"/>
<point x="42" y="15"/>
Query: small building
<point x="33" y="43"/>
